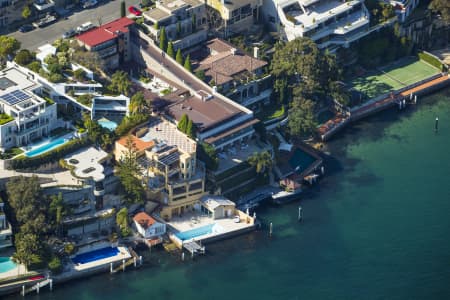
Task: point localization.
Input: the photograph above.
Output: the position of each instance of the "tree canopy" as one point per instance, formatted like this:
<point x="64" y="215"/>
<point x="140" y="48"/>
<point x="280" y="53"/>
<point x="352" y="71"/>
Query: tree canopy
<point x="305" y="77"/>
<point x="138" y="104"/>
<point x="120" y="83"/>
<point x="33" y="220"/>
<point x="179" y="57"/>
<point x="187" y="63"/>
<point x="8" y="46"/>
<point x="300" y="68"/>
<point x="162" y="39"/>
<point x="170" y="50"/>
<point x="129" y="172"/>
<point x="301" y="117"/>
<point x="262" y="161"/>
<point x="443" y="8"/>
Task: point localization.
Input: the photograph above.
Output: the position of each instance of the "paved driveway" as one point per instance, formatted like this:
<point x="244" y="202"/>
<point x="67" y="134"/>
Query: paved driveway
<point x="104" y="12"/>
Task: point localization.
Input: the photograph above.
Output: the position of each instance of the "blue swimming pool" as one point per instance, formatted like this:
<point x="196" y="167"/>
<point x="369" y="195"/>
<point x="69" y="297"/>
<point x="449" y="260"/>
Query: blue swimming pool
<point x="105" y="123"/>
<point x="47" y="146"/>
<point x="95" y="255"/>
<point x="190" y="234"/>
<point x="6" y="264"/>
<point x="301" y="160"/>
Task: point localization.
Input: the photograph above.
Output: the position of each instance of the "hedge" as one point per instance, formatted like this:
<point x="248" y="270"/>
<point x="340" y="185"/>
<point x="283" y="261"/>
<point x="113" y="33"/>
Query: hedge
<point x="431" y="60"/>
<point x="24" y="162"/>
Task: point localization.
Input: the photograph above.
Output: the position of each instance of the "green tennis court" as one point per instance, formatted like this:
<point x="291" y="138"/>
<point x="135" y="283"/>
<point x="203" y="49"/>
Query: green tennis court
<point x="392" y="77"/>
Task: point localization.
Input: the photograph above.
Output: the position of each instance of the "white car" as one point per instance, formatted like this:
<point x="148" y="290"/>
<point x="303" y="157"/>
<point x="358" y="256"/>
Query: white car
<point x="85" y="27"/>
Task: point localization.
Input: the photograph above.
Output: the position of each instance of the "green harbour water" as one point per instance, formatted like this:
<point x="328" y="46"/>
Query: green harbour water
<point x="377" y="227"/>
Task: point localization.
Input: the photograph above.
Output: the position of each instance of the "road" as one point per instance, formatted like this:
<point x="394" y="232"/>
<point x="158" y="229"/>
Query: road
<point x="104" y="12"/>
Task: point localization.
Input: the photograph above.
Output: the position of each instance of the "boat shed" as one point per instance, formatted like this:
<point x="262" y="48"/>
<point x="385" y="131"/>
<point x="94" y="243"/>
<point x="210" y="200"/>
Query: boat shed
<point x="218" y="207"/>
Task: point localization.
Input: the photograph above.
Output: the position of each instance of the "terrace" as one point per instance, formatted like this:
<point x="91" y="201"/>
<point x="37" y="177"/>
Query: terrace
<point x="87" y="163"/>
<point x="164" y="131"/>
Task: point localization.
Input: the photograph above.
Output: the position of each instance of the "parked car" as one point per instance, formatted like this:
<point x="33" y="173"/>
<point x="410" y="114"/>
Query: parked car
<point x="134" y="11"/>
<point x="26" y="28"/>
<point x="85" y="27"/>
<point x="89" y="3"/>
<point x="69" y="33"/>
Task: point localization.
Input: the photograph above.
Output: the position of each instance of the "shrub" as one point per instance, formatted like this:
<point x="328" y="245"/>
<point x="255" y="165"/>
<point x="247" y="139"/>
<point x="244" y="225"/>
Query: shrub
<point x="55" y="265"/>
<point x="129" y="123"/>
<point x="79" y="74"/>
<point x="34" y="66"/>
<point x="24" y="57"/>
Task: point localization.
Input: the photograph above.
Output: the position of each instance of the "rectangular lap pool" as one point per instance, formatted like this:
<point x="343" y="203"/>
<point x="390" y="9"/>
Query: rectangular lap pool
<point x="95" y="255"/>
<point x="190" y="234"/>
<point x="300" y="160"/>
<point x="46" y="146"/>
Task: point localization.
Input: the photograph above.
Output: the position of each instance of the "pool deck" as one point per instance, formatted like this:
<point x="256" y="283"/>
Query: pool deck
<point x="123" y="254"/>
<point x="185" y="223"/>
<point x="19" y="270"/>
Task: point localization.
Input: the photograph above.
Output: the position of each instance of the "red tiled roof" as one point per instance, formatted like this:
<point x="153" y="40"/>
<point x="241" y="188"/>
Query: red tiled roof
<point x="140" y="144"/>
<point x="144" y="220"/>
<point x="105" y="32"/>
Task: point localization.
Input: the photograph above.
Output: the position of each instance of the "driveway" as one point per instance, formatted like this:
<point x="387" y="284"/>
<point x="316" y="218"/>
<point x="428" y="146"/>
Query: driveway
<point x="103" y="13"/>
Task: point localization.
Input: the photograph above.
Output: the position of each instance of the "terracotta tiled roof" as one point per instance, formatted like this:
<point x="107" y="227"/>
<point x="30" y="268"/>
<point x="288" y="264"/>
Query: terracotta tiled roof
<point x="140" y="144"/>
<point x="105" y="32"/>
<point x="144" y="220"/>
<point x="226" y="62"/>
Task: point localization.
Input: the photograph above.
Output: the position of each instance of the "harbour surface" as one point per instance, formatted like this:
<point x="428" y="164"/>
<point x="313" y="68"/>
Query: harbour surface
<point x="377" y="227"/>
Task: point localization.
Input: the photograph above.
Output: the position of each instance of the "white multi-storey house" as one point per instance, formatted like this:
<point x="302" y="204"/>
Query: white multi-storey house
<point x="330" y="23"/>
<point x="25" y="115"/>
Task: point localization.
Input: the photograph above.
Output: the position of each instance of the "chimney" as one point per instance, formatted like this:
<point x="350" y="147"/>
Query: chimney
<point x="255" y="52"/>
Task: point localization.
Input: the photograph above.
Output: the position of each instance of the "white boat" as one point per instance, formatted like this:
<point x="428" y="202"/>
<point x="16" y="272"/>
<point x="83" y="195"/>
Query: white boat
<point x="285" y="196"/>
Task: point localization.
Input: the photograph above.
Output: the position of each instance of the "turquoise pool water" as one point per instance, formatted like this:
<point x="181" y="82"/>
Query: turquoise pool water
<point x="6" y="264"/>
<point x="111" y="125"/>
<point x="95" y="255"/>
<point x="301" y="159"/>
<point x="49" y="145"/>
<point x="190" y="234"/>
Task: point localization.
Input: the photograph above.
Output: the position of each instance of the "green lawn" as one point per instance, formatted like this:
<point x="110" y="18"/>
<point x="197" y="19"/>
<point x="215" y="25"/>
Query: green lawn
<point x="393" y="77"/>
<point x="270" y="112"/>
<point x="4" y="118"/>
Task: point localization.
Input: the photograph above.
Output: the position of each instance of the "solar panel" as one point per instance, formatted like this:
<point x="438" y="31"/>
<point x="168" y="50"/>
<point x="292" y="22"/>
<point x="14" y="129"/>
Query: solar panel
<point x="15" y="97"/>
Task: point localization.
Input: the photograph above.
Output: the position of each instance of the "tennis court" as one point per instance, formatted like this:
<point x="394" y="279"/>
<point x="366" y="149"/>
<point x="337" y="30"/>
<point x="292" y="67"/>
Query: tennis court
<point x="392" y="77"/>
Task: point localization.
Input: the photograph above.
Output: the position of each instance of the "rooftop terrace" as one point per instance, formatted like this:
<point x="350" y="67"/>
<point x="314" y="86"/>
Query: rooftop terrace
<point x="164" y="131"/>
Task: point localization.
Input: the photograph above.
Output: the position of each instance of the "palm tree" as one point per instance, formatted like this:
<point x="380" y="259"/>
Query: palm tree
<point x="139" y="104"/>
<point x="262" y="161"/>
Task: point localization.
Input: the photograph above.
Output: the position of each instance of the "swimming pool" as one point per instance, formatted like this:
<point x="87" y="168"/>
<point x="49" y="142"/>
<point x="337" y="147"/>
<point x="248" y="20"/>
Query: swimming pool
<point x="190" y="234"/>
<point x="6" y="264"/>
<point x="300" y="160"/>
<point x="46" y="146"/>
<point x="108" y="124"/>
<point x="95" y="255"/>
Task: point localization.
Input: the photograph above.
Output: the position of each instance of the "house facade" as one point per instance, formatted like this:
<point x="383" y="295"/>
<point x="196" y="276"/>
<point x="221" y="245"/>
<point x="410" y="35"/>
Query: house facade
<point x="184" y="22"/>
<point x="26" y="115"/>
<point x="230" y="17"/>
<point x="330" y="24"/>
<point x="403" y="8"/>
<point x="148" y="227"/>
<point x="110" y="41"/>
<point x="10" y="11"/>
